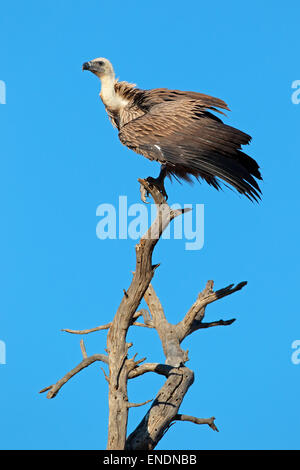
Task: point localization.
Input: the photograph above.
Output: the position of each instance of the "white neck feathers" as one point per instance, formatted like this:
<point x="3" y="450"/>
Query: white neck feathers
<point x="108" y="94"/>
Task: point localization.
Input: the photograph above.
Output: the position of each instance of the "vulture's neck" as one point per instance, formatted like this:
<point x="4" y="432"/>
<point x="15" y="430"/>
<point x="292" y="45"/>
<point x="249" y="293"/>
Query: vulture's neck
<point x="108" y="94"/>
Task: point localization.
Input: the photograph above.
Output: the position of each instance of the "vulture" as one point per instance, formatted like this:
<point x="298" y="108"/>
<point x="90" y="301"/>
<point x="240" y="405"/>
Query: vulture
<point x="180" y="130"/>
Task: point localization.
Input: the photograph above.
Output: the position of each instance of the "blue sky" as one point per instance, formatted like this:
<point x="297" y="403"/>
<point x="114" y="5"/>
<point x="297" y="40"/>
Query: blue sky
<point x="61" y="158"/>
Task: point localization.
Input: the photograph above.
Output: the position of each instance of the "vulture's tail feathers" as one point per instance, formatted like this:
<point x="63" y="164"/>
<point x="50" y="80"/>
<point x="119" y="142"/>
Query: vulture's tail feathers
<point x="239" y="173"/>
<point x="220" y="158"/>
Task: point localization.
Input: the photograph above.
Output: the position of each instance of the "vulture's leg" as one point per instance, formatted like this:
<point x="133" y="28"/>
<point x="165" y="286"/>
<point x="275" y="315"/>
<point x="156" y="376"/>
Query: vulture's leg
<point x="160" y="181"/>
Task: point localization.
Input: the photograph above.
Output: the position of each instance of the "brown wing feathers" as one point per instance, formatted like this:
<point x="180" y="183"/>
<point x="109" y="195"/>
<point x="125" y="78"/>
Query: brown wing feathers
<point x="161" y="95"/>
<point x="178" y="130"/>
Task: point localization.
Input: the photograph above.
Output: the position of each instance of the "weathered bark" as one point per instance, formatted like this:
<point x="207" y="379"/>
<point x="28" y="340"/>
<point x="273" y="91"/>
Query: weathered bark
<point x="117" y="347"/>
<point x="164" y="409"/>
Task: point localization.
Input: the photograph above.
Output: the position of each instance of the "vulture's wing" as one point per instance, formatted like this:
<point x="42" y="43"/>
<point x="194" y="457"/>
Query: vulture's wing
<point x="157" y="96"/>
<point x="192" y="141"/>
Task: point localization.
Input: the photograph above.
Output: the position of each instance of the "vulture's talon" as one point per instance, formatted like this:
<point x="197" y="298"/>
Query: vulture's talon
<point x="159" y="184"/>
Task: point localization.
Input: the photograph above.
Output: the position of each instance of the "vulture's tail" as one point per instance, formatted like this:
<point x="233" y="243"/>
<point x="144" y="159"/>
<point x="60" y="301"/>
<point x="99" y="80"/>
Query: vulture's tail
<point x="216" y="156"/>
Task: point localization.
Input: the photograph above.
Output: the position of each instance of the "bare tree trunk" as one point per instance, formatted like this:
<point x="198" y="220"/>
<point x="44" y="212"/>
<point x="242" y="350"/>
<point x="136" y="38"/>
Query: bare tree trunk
<point x="164" y="409"/>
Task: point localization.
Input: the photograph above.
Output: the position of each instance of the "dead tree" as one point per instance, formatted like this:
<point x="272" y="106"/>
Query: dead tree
<point x="165" y="408"/>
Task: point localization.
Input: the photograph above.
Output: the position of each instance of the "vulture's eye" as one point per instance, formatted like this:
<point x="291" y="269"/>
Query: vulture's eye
<point x="101" y="62"/>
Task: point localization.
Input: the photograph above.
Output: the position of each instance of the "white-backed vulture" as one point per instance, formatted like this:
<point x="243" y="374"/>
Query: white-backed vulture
<point x="179" y="130"/>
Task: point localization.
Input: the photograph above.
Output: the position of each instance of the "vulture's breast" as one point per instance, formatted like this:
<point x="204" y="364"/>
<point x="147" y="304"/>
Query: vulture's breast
<point x="124" y="114"/>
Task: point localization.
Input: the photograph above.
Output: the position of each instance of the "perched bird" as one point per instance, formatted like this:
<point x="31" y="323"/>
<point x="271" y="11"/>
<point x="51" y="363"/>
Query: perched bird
<point x="179" y="130"/>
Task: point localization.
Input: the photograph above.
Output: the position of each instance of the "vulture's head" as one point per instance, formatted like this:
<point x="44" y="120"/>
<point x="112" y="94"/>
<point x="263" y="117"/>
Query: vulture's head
<point x="100" y="67"/>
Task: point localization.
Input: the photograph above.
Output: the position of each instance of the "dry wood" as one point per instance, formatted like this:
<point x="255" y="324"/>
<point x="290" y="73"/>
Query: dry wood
<point x="164" y="409"/>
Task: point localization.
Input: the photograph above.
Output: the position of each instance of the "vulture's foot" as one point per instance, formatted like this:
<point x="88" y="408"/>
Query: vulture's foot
<point x="159" y="183"/>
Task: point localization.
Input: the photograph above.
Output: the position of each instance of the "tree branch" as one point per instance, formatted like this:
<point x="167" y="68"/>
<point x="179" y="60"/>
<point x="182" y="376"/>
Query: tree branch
<point x="164" y="409"/>
<point x="161" y="369"/>
<point x="116" y="338"/>
<point x="83" y="350"/>
<point x="54" y="389"/>
<point x="192" y="419"/>
<point x="175" y="355"/>
<point x="135" y="405"/>
<point x="192" y="320"/>
<point x="91" y="330"/>
<point x="162" y="412"/>
<point x="200" y="324"/>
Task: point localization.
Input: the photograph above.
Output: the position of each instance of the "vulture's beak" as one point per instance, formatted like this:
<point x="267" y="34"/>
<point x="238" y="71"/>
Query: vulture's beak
<point x="86" y="66"/>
